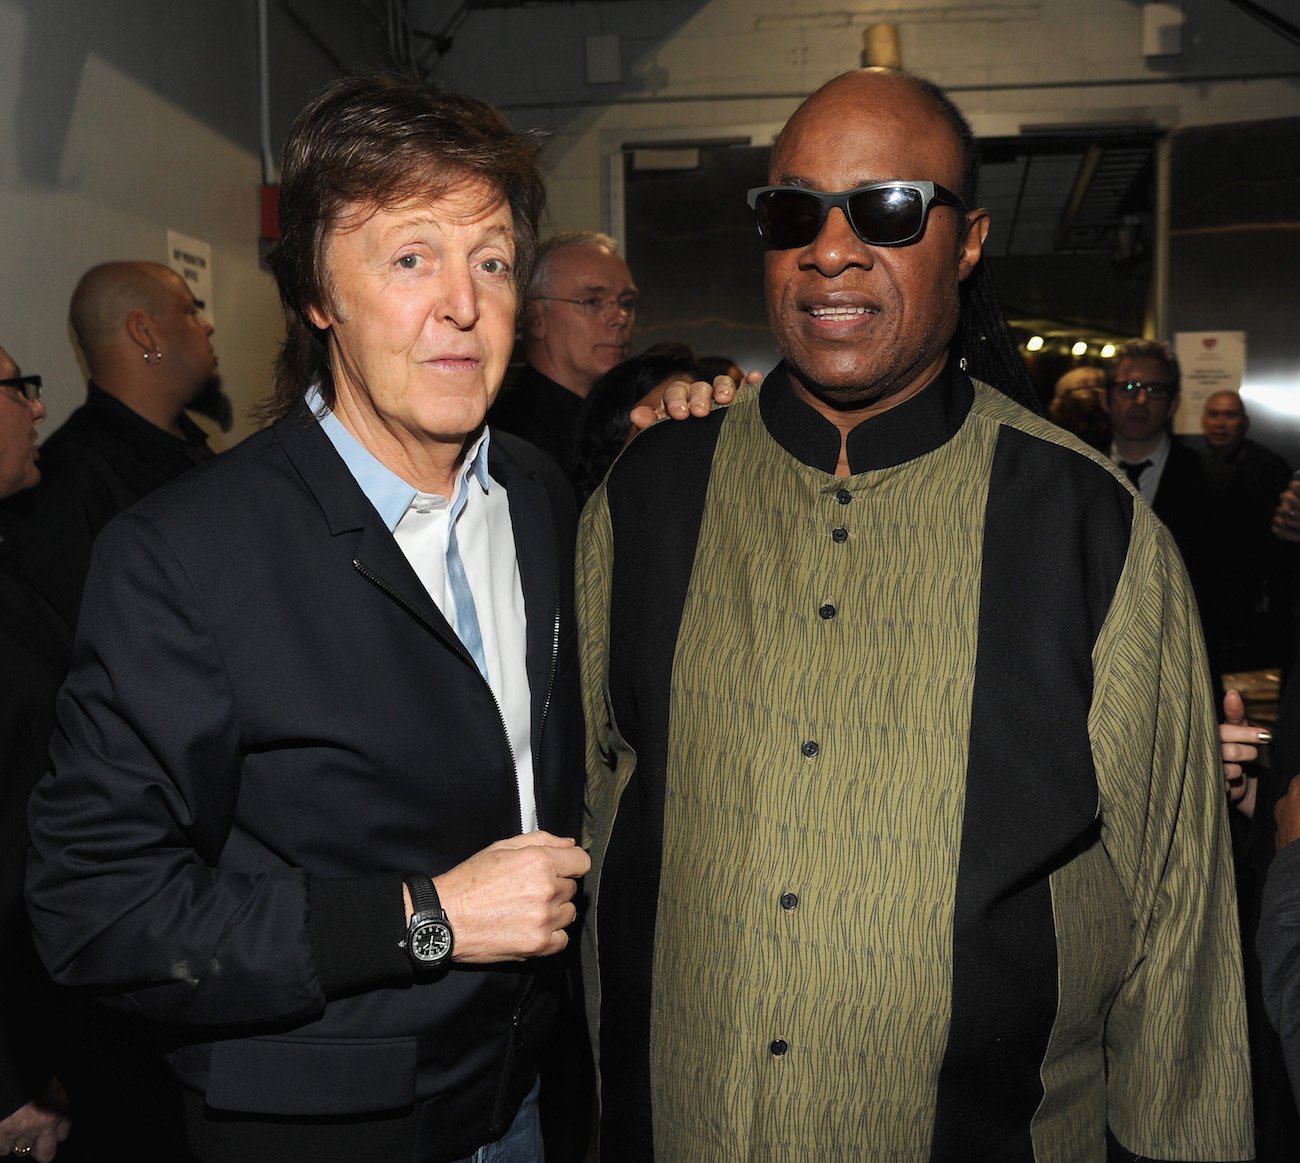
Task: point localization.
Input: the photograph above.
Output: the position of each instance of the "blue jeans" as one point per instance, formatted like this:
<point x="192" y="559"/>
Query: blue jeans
<point x="522" y="1143"/>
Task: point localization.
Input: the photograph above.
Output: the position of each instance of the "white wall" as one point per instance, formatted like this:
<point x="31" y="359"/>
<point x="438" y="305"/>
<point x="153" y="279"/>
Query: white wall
<point x="121" y="120"/>
<point x="695" y="68"/>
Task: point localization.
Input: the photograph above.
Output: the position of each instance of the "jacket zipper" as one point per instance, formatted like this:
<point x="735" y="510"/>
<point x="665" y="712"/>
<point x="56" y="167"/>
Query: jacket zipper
<point x="516" y="1020"/>
<point x="555" y="665"/>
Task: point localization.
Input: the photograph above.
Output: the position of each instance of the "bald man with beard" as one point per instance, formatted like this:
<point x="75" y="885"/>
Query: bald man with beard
<point x="150" y="357"/>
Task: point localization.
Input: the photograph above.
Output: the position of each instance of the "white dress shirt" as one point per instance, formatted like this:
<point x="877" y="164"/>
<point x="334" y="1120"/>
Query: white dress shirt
<point x="1149" y="480"/>
<point x="421" y="525"/>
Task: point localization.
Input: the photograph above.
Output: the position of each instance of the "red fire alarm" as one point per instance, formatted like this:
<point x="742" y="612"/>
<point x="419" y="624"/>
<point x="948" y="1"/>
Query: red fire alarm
<point x="270" y="213"/>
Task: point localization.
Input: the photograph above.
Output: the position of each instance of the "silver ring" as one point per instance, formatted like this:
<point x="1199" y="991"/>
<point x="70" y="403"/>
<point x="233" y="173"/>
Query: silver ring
<point x="22" y="1150"/>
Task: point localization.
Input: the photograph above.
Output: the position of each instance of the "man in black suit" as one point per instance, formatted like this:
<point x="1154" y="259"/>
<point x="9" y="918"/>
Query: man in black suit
<point x="150" y="356"/>
<point x="1260" y="626"/>
<point x="318" y="766"/>
<point x="1190" y="493"/>
<point x="33" y="649"/>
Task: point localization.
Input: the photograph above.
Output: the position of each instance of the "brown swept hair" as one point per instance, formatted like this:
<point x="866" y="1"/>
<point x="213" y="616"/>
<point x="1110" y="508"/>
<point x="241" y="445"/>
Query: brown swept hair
<point x="378" y="141"/>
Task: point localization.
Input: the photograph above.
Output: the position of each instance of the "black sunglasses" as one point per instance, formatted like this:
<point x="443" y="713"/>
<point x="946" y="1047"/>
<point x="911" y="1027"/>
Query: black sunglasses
<point x="881" y="214"/>
<point x="29" y="387"/>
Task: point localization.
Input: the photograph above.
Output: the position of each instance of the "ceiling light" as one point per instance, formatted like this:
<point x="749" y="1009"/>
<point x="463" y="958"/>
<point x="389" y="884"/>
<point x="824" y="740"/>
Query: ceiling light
<point x="1035" y="343"/>
<point x="1080" y="348"/>
<point x="1107" y="350"/>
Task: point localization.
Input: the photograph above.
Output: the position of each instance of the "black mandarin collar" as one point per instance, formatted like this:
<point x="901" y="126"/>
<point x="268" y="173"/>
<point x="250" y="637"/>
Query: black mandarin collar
<point x="916" y="426"/>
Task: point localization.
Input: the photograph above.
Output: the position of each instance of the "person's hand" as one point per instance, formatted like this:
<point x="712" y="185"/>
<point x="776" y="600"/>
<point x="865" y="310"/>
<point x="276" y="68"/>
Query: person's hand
<point x="35" y="1130"/>
<point x="1287" y="815"/>
<point x="1239" y="744"/>
<point x="1286" y="519"/>
<point x="514" y="899"/>
<point x="682" y="400"/>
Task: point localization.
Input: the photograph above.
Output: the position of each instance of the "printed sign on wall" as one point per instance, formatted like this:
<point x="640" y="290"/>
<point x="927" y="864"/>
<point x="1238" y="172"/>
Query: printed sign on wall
<point x="1211" y="361"/>
<point x="192" y="260"/>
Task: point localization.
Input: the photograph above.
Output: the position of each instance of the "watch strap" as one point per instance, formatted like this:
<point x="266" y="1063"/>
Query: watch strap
<point x="424" y="897"/>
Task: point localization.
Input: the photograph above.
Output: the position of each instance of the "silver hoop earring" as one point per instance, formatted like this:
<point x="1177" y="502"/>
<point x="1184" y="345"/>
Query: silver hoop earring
<point x="961" y="363"/>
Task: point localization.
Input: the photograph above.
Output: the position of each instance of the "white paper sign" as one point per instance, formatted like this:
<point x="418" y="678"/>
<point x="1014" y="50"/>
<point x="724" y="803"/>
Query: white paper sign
<point x="1211" y="361"/>
<point x="192" y="260"/>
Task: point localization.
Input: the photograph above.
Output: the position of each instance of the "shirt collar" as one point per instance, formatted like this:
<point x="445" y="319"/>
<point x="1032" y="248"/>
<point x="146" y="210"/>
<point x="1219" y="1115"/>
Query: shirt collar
<point x="384" y="489"/>
<point x="194" y="437"/>
<point x="1157" y="456"/>
<point x="918" y="425"/>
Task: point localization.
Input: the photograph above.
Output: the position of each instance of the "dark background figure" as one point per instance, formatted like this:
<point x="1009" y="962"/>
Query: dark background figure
<point x="33" y="659"/>
<point x="578" y="318"/>
<point x="712" y="366"/>
<point x="150" y="358"/>
<point x="605" y="419"/>
<point x="1257" y="625"/>
<point x="1257" y="790"/>
<point x="1076" y="406"/>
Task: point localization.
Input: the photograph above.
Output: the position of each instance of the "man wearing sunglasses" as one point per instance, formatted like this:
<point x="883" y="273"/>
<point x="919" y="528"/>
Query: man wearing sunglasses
<point x="903" y="802"/>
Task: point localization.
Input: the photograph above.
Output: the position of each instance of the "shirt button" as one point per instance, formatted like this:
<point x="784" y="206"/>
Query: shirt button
<point x="810" y="748"/>
<point x="839" y="535"/>
<point x="844" y="496"/>
<point x="779" y="1047"/>
<point x="827" y="611"/>
<point x="789" y="901"/>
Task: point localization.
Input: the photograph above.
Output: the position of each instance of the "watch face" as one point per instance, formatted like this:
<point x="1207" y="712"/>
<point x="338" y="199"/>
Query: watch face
<point x="431" y="941"/>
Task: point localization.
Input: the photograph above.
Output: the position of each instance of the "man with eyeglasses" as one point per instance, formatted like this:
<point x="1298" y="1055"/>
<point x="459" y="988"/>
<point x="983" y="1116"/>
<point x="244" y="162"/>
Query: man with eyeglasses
<point x="22" y="410"/>
<point x="579" y="315"/>
<point x="903" y="800"/>
<point x="1189" y="492"/>
<point x="33" y="654"/>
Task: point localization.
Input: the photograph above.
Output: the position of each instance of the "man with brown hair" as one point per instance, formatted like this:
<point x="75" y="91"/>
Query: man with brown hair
<point x="1193" y="495"/>
<point x="318" y="770"/>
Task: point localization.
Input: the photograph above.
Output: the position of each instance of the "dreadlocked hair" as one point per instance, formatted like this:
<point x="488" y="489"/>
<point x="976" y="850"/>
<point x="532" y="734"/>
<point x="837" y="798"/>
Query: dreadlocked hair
<point x="984" y="342"/>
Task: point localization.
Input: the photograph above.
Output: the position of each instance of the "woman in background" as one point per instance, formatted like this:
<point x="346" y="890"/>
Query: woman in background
<point x="604" y="423"/>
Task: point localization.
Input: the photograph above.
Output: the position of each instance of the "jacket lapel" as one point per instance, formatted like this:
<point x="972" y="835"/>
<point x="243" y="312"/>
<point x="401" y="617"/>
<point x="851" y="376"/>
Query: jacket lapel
<point x="358" y="532"/>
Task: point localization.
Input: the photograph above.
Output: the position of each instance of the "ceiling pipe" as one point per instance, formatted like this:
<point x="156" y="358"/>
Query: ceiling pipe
<point x="1283" y="28"/>
<point x="264" y="68"/>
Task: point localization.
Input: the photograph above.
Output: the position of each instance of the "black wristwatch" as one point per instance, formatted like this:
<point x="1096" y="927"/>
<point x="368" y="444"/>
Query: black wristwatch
<point x="428" y="933"/>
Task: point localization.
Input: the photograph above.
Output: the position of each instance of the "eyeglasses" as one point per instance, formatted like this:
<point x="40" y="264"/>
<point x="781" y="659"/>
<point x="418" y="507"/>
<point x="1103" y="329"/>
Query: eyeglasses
<point x="1153" y="388"/>
<point x="29" y="387"/>
<point x="596" y="305"/>
<point x="881" y="214"/>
